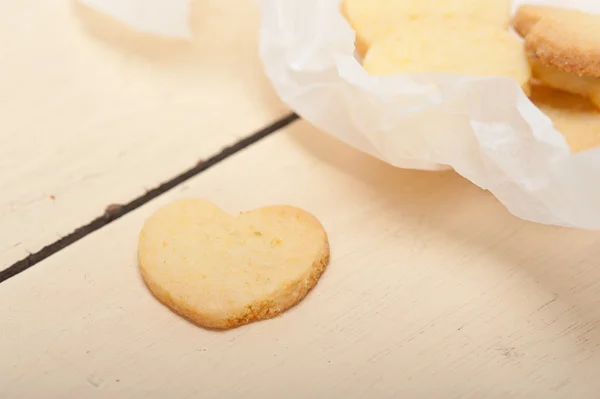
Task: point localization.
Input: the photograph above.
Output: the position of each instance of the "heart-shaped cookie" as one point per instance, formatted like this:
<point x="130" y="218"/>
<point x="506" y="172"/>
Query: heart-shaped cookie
<point x="222" y="271"/>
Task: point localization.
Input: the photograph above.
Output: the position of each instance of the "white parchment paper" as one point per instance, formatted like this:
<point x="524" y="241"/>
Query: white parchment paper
<point x="168" y="18"/>
<point x="484" y="128"/>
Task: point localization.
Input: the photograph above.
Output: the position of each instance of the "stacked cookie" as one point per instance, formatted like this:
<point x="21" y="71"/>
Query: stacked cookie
<point x="559" y="65"/>
<point x="563" y="47"/>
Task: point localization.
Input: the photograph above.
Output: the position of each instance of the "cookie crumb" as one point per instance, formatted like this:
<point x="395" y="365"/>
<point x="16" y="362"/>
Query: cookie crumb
<point x="112" y="209"/>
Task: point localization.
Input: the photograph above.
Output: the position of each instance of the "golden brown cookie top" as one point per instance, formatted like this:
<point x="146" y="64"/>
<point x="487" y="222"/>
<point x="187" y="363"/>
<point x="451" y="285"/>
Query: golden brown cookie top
<point x="222" y="271"/>
<point x="569" y="42"/>
<point x="529" y="15"/>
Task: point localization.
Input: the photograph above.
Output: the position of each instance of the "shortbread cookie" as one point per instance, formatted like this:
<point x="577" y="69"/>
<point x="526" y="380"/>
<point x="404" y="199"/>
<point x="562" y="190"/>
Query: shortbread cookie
<point x="574" y="116"/>
<point x="570" y="43"/>
<point x="583" y="85"/>
<point x="222" y="271"/>
<point x="529" y="15"/>
<point x="462" y="47"/>
<point x="374" y="19"/>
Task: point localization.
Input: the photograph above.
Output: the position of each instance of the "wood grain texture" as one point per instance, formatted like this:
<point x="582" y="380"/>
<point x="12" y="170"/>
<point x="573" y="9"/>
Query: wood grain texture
<point x="92" y="114"/>
<point x="433" y="291"/>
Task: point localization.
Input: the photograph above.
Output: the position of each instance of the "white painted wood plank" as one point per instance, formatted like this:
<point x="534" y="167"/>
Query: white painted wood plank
<point x="433" y="291"/>
<point x="93" y="114"/>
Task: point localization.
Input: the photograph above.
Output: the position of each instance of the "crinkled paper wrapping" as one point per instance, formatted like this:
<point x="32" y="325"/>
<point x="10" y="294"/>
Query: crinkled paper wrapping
<point x="484" y="128"/>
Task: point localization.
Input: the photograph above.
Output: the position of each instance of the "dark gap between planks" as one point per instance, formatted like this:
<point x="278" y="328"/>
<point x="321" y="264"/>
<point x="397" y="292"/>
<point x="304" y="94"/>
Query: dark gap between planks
<point x="118" y="211"/>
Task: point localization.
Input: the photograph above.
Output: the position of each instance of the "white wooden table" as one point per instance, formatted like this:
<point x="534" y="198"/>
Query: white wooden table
<point x="93" y="114"/>
<point x="433" y="291"/>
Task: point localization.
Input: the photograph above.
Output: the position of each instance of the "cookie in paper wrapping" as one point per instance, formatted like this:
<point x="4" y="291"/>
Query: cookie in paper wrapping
<point x="574" y="116"/>
<point x="570" y="43"/>
<point x="582" y="85"/>
<point x="484" y="128"/>
<point x="529" y="15"/>
<point x="375" y="19"/>
<point x="439" y="45"/>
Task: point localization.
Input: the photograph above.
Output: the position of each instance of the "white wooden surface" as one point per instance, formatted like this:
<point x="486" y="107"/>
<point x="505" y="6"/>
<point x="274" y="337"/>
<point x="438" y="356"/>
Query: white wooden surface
<point x="93" y="114"/>
<point x="433" y="291"/>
